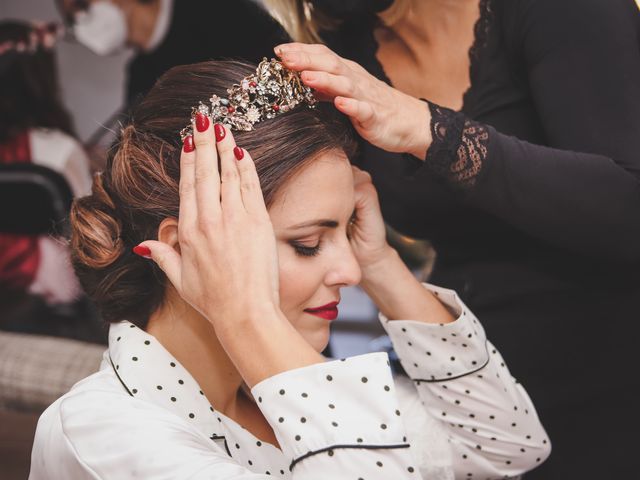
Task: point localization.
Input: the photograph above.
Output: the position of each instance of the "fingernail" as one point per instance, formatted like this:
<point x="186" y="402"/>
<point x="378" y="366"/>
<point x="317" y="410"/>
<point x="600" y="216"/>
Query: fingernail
<point x="238" y="153"/>
<point x="188" y="144"/>
<point x="278" y="50"/>
<point x="142" y="251"/>
<point x="219" y="131"/>
<point x="309" y="77"/>
<point x="202" y="122"/>
<point x="290" y="58"/>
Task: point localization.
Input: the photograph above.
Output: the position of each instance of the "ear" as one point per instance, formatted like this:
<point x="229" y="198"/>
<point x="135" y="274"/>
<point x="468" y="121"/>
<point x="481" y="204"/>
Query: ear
<point x="168" y="233"/>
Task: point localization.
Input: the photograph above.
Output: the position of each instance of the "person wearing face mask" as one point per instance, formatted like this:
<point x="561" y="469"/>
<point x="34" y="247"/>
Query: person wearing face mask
<point x="165" y="33"/>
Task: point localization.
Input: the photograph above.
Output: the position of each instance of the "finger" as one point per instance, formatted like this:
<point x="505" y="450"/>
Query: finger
<point x="167" y="259"/>
<point x="229" y="175"/>
<point x="188" y="209"/>
<point x="312" y="48"/>
<point x="322" y="62"/>
<point x="330" y="84"/>
<point x="207" y="178"/>
<point x="359" y="111"/>
<point x="251" y="192"/>
<point x="360" y="176"/>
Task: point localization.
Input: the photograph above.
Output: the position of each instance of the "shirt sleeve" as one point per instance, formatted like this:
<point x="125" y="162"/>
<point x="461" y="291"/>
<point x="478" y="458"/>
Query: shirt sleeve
<point x="463" y="381"/>
<point x="581" y="191"/>
<point x="338" y="420"/>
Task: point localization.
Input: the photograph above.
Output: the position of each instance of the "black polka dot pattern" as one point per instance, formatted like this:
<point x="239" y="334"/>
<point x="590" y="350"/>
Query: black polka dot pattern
<point x="320" y="410"/>
<point x="464" y="377"/>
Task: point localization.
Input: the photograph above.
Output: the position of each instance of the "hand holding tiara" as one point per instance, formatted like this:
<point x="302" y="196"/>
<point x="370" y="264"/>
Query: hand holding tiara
<point x="381" y="114"/>
<point x="272" y="90"/>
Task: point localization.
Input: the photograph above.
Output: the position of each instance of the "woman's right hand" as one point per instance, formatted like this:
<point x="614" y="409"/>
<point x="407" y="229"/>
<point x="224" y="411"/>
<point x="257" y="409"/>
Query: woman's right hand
<point x="381" y="114"/>
<point x="226" y="265"/>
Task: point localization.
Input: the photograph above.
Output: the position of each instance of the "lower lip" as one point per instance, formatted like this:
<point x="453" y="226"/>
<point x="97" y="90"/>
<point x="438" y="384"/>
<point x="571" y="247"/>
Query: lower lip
<point x="327" y="314"/>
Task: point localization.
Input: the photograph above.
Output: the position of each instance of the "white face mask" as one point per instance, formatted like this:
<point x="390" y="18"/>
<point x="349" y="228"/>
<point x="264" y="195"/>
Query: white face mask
<point x="102" y="28"/>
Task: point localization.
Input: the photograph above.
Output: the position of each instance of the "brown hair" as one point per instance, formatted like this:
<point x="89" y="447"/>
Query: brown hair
<point x="139" y="187"/>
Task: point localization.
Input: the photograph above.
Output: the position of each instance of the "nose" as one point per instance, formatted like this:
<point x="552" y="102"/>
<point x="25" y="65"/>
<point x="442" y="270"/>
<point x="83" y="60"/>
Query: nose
<point x="344" y="270"/>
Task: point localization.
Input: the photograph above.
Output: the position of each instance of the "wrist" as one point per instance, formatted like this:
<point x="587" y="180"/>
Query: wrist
<point x="378" y="269"/>
<point x="419" y="137"/>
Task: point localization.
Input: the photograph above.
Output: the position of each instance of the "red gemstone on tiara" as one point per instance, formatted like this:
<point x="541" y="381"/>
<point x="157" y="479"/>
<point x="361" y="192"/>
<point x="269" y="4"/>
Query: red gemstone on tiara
<point x="275" y="107"/>
<point x="231" y="109"/>
<point x="253" y="84"/>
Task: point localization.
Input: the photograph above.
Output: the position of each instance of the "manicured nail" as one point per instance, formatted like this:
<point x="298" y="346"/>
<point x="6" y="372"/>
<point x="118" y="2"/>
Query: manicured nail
<point x="309" y="77"/>
<point x="202" y="122"/>
<point x="219" y="131"/>
<point x="238" y="153"/>
<point x="278" y="50"/>
<point x="188" y="144"/>
<point x="142" y="251"/>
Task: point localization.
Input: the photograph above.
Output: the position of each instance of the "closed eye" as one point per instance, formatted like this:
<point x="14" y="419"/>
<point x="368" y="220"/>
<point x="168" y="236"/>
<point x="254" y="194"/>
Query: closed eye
<point x="305" y="250"/>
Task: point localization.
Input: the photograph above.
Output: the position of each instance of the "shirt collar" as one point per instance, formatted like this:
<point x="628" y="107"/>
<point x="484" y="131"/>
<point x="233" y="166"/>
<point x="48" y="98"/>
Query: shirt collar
<point x="149" y="372"/>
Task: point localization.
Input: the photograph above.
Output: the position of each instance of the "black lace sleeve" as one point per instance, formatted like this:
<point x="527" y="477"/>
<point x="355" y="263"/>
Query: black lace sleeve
<point x="458" y="148"/>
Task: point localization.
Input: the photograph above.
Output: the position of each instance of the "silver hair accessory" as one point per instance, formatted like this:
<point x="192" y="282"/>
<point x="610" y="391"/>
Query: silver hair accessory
<point x="272" y="90"/>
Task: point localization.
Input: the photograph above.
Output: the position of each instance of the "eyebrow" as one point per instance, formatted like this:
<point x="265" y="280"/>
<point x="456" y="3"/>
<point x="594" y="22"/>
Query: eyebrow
<point x="323" y="222"/>
<point x="316" y="223"/>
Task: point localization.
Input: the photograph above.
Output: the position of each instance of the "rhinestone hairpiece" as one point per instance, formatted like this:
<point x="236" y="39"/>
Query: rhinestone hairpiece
<point x="272" y="90"/>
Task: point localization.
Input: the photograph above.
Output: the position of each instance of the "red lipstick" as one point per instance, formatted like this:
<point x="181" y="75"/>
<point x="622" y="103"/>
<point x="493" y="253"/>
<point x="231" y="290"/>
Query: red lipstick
<point x="328" y="311"/>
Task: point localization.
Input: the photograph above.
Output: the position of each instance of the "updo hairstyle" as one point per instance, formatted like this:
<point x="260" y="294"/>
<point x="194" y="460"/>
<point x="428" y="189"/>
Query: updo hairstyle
<point x="139" y="187"/>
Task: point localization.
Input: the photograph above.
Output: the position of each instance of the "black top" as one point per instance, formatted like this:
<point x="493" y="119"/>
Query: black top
<point x="531" y="194"/>
<point x="206" y="30"/>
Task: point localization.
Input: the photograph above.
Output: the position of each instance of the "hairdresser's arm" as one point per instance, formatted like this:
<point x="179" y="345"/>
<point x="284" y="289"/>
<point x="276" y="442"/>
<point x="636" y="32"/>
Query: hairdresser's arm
<point x="383" y="115"/>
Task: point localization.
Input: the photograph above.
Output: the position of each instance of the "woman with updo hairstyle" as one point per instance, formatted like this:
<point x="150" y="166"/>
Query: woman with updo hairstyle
<point x="217" y="252"/>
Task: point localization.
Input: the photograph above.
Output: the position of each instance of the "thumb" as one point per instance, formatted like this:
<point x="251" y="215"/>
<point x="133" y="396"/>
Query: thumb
<point x="166" y="257"/>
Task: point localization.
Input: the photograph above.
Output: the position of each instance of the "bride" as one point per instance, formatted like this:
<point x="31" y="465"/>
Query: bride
<point x="245" y="232"/>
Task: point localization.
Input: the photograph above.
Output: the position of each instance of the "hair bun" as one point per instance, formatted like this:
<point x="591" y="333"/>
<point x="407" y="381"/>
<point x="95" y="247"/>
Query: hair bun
<point x="95" y="234"/>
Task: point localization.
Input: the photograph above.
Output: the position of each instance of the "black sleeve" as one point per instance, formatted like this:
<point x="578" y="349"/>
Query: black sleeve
<point x="582" y="192"/>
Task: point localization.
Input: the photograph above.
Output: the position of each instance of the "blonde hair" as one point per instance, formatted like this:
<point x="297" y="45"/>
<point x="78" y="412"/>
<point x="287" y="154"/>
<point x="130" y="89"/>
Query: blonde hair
<point x="303" y="23"/>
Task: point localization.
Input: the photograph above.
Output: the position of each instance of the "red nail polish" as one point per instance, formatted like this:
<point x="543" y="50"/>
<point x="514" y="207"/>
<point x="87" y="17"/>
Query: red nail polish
<point x="142" y="251"/>
<point x="219" y="131"/>
<point x="238" y="153"/>
<point x="188" y="144"/>
<point x="202" y="122"/>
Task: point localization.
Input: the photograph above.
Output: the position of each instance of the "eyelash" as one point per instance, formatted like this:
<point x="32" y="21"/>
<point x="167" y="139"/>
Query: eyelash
<point x="305" y="251"/>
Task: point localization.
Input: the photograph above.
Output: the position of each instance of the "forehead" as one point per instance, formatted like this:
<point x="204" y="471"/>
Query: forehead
<point x="322" y="189"/>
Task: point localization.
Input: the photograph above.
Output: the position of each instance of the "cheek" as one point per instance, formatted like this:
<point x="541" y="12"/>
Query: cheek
<point x="298" y="282"/>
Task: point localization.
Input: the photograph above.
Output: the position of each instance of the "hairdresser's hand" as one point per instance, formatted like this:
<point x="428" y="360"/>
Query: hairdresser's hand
<point x="381" y="114"/>
<point x="226" y="264"/>
<point x="367" y="231"/>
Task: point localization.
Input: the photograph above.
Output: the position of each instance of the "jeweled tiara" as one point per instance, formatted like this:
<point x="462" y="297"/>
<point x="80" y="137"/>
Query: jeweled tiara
<point x="272" y="90"/>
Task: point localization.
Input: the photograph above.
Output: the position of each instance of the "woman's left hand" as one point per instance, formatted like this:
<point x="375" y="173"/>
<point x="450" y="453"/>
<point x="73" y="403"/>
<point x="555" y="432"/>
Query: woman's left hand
<point x="367" y="231"/>
<point x="381" y="114"/>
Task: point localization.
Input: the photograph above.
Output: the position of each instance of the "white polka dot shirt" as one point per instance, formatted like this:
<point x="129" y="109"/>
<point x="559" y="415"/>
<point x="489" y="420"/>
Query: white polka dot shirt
<point x="459" y="415"/>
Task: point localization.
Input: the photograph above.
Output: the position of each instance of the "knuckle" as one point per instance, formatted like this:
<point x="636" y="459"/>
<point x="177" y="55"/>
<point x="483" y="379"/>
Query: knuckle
<point x="249" y="186"/>
<point x="229" y="176"/>
<point x="203" y="175"/>
<point x="206" y="224"/>
<point x="202" y="141"/>
<point x="186" y="186"/>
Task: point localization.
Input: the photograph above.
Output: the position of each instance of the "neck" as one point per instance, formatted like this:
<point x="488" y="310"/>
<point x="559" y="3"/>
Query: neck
<point x="428" y="20"/>
<point x="191" y="339"/>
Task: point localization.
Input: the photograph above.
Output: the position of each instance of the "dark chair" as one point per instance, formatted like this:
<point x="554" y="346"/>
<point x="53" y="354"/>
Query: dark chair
<point x="34" y="200"/>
